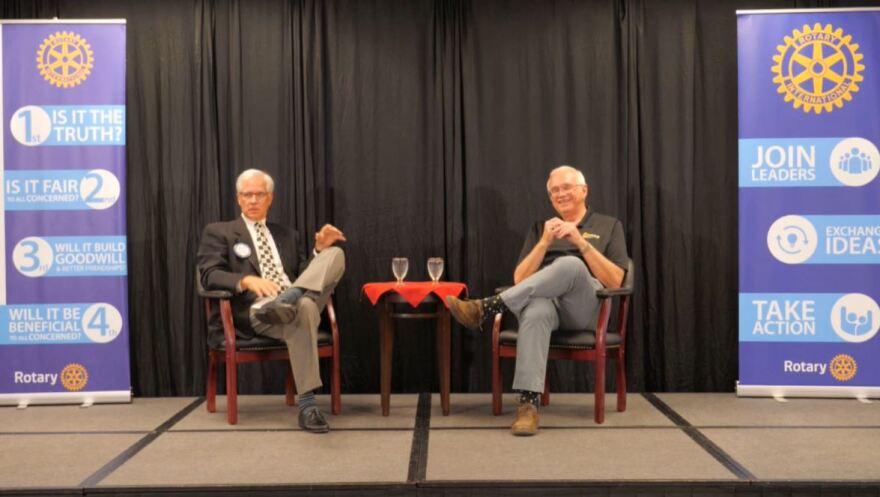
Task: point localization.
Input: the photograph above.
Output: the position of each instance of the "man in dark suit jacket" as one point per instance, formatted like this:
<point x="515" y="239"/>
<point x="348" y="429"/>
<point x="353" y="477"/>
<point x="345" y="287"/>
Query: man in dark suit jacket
<point x="278" y="292"/>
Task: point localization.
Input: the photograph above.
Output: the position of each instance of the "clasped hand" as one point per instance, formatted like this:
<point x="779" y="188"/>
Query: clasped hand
<point x="555" y="228"/>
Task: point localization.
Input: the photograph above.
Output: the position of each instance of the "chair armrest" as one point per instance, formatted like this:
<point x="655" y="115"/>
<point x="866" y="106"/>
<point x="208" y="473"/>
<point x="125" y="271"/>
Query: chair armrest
<point x="210" y="294"/>
<point x="605" y="293"/>
<point x="331" y="319"/>
<point x="215" y="294"/>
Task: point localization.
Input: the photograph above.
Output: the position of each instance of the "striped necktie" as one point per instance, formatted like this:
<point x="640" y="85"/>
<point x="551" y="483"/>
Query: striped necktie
<point x="269" y="269"/>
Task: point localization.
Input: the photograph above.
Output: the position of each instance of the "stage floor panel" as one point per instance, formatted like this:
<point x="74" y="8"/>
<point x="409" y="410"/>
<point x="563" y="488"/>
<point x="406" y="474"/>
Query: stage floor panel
<point x="564" y="411"/>
<point x="570" y="454"/>
<point x="269" y="412"/>
<point x="140" y="415"/>
<point x="817" y="454"/>
<point x="663" y="444"/>
<point x="57" y="460"/>
<point x="268" y="458"/>
<point x="724" y="409"/>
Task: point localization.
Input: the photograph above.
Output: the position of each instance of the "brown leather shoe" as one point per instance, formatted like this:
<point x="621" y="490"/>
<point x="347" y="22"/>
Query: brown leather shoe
<point x="469" y="313"/>
<point x="526" y="423"/>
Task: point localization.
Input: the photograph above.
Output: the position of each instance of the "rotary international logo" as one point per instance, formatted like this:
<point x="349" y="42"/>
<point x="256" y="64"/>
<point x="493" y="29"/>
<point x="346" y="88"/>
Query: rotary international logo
<point x="65" y="59"/>
<point x="818" y="68"/>
<point x="74" y="377"/>
<point x="843" y="367"/>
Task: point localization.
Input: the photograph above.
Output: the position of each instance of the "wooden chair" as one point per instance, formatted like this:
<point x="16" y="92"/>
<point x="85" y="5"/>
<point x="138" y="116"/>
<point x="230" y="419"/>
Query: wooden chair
<point x="593" y="345"/>
<point x="234" y="351"/>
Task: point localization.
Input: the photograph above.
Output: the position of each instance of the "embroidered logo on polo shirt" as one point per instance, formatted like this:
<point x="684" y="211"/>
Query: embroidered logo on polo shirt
<point x="587" y="235"/>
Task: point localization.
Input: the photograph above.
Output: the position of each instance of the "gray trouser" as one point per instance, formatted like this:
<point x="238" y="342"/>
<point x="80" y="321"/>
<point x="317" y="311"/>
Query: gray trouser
<point x="561" y="295"/>
<point x="301" y="335"/>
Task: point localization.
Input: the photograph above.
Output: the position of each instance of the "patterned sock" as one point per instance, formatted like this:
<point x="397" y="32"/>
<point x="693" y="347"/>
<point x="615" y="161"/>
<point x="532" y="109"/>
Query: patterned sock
<point x="533" y="398"/>
<point x="305" y="400"/>
<point x="291" y="295"/>
<point x="493" y="305"/>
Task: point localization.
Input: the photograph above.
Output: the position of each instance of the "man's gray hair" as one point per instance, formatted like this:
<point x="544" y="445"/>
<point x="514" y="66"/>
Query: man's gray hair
<point x="579" y="176"/>
<point x="250" y="173"/>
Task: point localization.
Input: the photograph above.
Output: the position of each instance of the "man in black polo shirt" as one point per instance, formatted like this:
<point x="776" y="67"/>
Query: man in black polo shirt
<point x="564" y="260"/>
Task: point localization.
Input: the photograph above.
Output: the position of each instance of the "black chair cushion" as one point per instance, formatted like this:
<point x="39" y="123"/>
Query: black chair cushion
<point x="260" y="342"/>
<point x="566" y="339"/>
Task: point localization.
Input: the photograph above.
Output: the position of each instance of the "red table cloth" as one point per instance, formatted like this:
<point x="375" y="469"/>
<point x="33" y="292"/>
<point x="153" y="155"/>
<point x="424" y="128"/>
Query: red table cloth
<point x="414" y="292"/>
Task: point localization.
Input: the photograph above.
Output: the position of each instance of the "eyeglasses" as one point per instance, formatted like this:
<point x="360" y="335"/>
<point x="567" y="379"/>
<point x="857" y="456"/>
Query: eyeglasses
<point x="253" y="195"/>
<point x="562" y="189"/>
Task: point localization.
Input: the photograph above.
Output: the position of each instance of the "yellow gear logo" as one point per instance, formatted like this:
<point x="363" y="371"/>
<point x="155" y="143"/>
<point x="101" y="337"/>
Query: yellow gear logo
<point x="818" y="68"/>
<point x="65" y="59"/>
<point x="74" y="377"/>
<point x="843" y="367"/>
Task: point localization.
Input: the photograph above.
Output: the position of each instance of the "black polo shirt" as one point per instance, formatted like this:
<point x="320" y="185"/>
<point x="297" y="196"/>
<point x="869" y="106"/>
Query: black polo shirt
<point x="605" y="233"/>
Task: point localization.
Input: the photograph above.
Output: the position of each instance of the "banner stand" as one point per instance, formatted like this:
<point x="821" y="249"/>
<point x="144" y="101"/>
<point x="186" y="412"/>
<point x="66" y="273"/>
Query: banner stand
<point x="809" y="202"/>
<point x="64" y="274"/>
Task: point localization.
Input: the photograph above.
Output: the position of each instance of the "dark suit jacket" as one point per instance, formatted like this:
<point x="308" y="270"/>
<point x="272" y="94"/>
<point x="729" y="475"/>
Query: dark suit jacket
<point x="221" y="268"/>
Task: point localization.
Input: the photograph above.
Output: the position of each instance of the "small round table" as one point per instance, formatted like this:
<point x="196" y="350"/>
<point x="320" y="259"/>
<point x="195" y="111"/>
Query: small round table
<point x="389" y="297"/>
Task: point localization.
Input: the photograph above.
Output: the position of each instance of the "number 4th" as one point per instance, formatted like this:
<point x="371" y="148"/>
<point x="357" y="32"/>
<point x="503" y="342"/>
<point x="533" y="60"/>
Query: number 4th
<point x="98" y="322"/>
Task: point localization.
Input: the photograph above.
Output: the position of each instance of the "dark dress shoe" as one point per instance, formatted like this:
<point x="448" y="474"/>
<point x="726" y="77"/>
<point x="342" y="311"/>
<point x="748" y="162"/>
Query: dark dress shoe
<point x="312" y="420"/>
<point x="275" y="312"/>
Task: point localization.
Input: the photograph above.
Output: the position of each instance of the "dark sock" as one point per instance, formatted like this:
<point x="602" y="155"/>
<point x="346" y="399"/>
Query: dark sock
<point x="533" y="398"/>
<point x="493" y="305"/>
<point x="291" y="295"/>
<point x="305" y="400"/>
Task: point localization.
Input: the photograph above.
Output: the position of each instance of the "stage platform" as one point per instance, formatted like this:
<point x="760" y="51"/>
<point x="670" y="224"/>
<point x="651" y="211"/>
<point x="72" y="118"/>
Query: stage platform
<point x="664" y="444"/>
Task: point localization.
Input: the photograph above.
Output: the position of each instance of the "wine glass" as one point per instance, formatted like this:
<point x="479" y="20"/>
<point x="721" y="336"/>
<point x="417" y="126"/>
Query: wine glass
<point x="435" y="268"/>
<point x="399" y="266"/>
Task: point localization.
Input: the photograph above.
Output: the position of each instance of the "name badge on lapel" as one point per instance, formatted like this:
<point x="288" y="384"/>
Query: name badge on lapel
<point x="242" y="250"/>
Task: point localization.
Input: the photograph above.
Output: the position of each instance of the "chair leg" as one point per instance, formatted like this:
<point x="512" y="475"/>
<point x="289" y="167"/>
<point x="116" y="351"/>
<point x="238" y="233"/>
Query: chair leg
<point x="545" y="397"/>
<point x="444" y="346"/>
<point x="231" y="389"/>
<point x="621" y="382"/>
<point x="599" y="404"/>
<point x="289" y="396"/>
<point x="496" y="384"/>
<point x="335" y="386"/>
<point x="211" y="393"/>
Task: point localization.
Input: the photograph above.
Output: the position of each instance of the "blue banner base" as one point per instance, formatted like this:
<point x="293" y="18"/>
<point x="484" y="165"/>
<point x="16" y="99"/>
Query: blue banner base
<point x="84" y="398"/>
<point x="778" y="391"/>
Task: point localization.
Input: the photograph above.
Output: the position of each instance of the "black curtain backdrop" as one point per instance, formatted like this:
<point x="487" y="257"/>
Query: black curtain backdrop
<point x="427" y="128"/>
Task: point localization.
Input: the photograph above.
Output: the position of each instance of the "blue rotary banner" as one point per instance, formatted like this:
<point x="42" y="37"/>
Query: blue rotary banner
<point x="809" y="202"/>
<point x="64" y="288"/>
